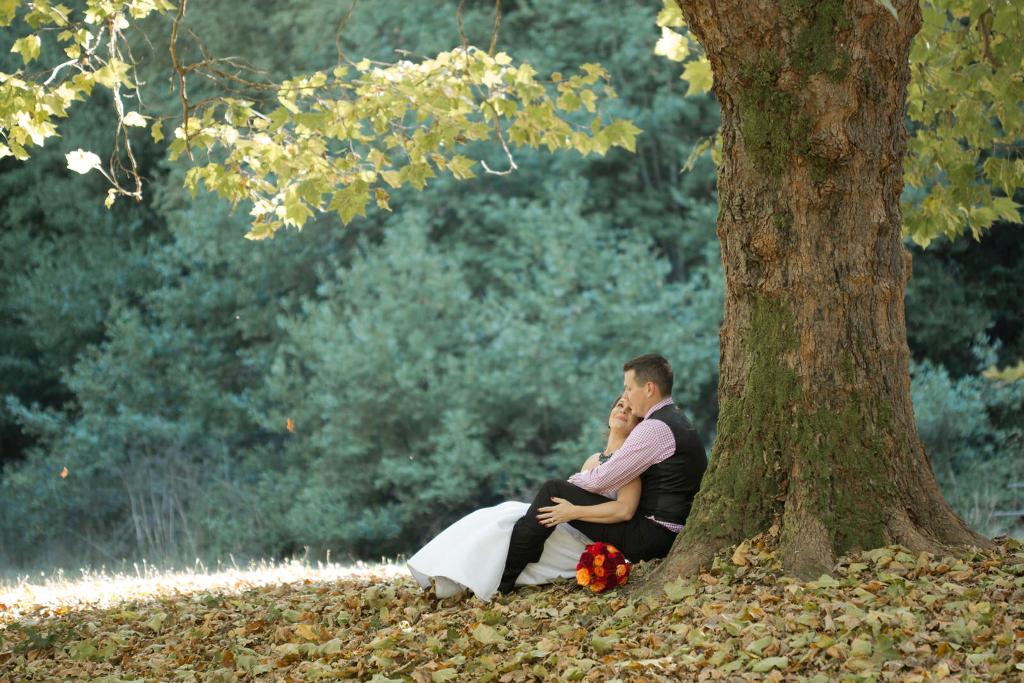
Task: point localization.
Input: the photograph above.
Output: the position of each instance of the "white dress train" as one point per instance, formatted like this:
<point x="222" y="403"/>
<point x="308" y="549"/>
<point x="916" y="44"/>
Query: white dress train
<point x="470" y="554"/>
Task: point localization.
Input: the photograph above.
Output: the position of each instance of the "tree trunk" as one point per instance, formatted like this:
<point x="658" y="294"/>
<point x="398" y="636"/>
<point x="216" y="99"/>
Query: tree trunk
<point x="816" y="437"/>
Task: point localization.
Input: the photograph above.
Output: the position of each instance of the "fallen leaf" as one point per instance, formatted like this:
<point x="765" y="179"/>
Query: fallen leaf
<point x="487" y="634"/>
<point x="769" y="663"/>
<point x="739" y="556"/>
<point x="603" y="645"/>
<point x="678" y="589"/>
<point x="306" y="631"/>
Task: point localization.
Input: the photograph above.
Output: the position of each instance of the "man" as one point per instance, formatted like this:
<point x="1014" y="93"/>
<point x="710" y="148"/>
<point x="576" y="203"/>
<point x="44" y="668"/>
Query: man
<point x="664" y="450"/>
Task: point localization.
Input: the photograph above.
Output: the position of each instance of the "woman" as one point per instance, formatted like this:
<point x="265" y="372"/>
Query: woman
<point x="471" y="552"/>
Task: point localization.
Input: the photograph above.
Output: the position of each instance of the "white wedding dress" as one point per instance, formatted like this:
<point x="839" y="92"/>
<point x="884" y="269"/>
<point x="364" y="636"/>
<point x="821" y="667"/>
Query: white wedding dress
<point x="471" y="553"/>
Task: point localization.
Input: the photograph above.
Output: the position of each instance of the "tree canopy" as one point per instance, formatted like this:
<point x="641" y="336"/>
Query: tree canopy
<point x="338" y="138"/>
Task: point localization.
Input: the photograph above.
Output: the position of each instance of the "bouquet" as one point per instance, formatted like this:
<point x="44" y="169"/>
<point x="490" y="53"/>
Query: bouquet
<point x="602" y="566"/>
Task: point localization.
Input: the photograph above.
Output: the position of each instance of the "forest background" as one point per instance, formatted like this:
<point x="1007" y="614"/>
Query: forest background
<point x="357" y="389"/>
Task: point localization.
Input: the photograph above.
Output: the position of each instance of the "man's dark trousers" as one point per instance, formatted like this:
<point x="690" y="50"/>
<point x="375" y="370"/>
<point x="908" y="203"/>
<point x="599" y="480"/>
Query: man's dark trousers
<point x="638" y="539"/>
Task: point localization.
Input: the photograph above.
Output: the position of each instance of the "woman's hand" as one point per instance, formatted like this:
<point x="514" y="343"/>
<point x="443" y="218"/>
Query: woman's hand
<point x="561" y="511"/>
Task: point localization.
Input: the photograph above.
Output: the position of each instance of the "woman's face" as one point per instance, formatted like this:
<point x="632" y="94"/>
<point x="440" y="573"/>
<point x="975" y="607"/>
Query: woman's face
<point x="622" y="418"/>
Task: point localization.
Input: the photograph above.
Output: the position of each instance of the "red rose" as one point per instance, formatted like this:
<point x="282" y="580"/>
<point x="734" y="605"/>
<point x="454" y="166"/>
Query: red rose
<point x="602" y="566"/>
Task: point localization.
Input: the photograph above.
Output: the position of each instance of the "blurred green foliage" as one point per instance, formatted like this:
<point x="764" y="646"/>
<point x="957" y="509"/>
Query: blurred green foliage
<point x="448" y="355"/>
<point x="974" y="436"/>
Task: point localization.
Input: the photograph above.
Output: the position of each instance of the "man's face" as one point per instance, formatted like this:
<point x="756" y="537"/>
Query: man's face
<point x="634" y="393"/>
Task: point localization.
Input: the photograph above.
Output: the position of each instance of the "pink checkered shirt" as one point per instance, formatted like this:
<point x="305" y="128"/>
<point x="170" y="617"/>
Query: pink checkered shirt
<point x="649" y="443"/>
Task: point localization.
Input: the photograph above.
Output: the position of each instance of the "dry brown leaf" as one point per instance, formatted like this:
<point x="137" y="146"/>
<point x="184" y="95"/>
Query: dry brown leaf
<point x="867" y="620"/>
<point x="739" y="556"/>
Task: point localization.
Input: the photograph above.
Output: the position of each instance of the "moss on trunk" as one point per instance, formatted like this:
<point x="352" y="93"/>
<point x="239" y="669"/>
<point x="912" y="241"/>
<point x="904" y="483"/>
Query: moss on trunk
<point x="774" y="438"/>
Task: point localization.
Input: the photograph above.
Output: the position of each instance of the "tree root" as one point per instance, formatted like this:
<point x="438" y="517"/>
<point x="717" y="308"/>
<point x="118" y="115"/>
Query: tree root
<point x="946" y="536"/>
<point x="805" y="547"/>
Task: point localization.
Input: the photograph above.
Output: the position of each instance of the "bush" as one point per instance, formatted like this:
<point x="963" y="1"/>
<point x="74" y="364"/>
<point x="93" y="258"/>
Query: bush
<point x="973" y="432"/>
<point x="416" y="399"/>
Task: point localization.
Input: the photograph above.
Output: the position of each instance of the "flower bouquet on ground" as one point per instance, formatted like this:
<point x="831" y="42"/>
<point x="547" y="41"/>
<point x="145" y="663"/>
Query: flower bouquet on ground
<point x="602" y="566"/>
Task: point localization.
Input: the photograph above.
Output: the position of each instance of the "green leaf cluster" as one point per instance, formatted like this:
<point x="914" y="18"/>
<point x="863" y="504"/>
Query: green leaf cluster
<point x="337" y="142"/>
<point x="31" y="104"/>
<point x="964" y="165"/>
<point x="678" y="47"/>
<point x="967" y="126"/>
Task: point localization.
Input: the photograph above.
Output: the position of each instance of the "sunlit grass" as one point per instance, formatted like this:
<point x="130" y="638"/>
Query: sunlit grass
<point x="55" y="591"/>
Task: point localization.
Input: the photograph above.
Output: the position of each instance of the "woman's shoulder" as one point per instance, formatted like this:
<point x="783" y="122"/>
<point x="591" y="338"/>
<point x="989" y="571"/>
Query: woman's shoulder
<point x="591" y="462"/>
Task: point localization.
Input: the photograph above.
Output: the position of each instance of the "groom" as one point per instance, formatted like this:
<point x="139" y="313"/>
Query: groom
<point x="663" y="450"/>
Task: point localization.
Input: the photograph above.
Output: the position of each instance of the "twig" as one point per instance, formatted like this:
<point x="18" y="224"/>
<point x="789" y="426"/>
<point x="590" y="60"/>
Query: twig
<point x="122" y="131"/>
<point x="57" y="69"/>
<point x="985" y="28"/>
<point x="501" y="138"/>
<point x="176" y="65"/>
<point x="497" y="25"/>
<point x="341" y="29"/>
<point x="458" y="23"/>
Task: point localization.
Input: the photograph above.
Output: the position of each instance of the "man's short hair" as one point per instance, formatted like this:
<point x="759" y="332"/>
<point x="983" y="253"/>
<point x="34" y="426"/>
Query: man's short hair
<point x="652" y="368"/>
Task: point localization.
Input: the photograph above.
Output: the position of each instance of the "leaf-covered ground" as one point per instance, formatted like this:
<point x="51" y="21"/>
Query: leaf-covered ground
<point x="883" y="615"/>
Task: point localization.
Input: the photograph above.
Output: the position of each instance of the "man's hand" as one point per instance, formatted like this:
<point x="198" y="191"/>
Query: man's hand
<point x="561" y="511"/>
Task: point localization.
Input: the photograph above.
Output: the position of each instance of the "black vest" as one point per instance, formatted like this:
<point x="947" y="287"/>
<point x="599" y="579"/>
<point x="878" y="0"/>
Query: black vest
<point x="667" y="489"/>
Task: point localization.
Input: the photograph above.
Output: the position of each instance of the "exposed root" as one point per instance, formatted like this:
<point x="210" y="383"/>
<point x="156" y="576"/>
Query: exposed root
<point x="805" y="547"/>
<point x="901" y="530"/>
<point x="955" y="535"/>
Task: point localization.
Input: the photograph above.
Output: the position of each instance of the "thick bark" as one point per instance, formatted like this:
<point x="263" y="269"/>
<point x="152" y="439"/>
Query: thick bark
<point x="816" y="436"/>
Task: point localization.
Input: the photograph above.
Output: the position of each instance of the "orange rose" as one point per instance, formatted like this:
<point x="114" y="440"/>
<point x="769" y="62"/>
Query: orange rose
<point x="599" y="571"/>
<point x="621" y="570"/>
<point x="612" y="550"/>
<point x="598" y="586"/>
<point x="598" y="560"/>
<point x="582" y="576"/>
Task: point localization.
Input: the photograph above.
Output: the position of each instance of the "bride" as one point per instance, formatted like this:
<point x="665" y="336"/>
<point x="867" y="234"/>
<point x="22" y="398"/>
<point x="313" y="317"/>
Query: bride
<point x="471" y="552"/>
